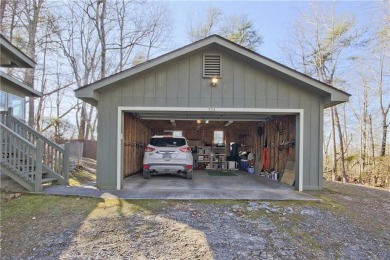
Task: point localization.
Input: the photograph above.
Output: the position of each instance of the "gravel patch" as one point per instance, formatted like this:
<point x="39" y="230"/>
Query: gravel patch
<point x="343" y="226"/>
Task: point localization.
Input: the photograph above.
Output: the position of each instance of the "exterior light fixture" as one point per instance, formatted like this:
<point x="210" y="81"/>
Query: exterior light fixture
<point x="202" y="121"/>
<point x="214" y="81"/>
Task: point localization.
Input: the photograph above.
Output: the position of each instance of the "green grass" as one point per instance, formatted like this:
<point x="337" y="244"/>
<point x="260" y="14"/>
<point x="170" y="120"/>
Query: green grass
<point x="42" y="216"/>
<point x="30" y="204"/>
<point x="46" y="216"/>
<point x="49" y="216"/>
<point x="79" y="177"/>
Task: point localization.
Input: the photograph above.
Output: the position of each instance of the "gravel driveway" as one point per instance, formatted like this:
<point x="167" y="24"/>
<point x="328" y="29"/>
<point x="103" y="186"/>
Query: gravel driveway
<point x="352" y="222"/>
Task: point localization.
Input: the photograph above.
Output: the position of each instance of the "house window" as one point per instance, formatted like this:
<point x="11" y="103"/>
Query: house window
<point x="3" y="101"/>
<point x="212" y="65"/>
<point x="218" y="137"/>
<point x="177" y="133"/>
<point x="17" y="103"/>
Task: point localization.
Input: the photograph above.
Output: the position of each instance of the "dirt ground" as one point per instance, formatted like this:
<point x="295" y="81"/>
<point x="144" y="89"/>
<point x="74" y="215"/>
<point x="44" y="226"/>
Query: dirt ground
<point x="352" y="222"/>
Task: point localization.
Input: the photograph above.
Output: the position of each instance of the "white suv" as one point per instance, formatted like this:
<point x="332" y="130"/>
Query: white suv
<point x="168" y="154"/>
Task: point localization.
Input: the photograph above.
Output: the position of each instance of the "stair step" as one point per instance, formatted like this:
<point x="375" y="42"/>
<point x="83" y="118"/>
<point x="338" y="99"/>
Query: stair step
<point x="44" y="174"/>
<point x="47" y="180"/>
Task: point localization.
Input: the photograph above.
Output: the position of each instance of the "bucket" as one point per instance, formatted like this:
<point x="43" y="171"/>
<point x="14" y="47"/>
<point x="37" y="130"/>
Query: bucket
<point x="251" y="170"/>
<point x="232" y="165"/>
<point x="244" y="164"/>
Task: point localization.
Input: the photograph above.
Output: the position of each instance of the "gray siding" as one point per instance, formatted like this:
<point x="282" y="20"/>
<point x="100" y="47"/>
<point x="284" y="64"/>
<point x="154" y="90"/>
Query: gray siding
<point x="180" y="84"/>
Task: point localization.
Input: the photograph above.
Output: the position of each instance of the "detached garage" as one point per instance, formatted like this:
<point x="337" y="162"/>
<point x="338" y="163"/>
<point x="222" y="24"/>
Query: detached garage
<point x="220" y="96"/>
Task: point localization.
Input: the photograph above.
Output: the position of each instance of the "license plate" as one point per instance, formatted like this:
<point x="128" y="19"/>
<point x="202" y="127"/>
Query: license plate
<point x="166" y="157"/>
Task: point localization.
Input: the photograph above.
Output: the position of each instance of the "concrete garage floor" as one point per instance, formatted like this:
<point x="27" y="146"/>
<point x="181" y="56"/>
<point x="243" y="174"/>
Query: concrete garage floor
<point x="202" y="186"/>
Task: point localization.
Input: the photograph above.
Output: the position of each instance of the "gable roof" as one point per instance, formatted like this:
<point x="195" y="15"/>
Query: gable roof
<point x="12" y="56"/>
<point x="17" y="87"/>
<point x="88" y="94"/>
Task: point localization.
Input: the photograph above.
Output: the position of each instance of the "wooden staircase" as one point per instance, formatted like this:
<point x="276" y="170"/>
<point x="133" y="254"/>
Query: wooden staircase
<point x="30" y="158"/>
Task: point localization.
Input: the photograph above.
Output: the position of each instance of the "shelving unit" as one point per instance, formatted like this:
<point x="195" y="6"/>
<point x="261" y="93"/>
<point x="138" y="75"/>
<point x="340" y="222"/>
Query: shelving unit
<point x="212" y="157"/>
<point x="204" y="157"/>
<point x="219" y="156"/>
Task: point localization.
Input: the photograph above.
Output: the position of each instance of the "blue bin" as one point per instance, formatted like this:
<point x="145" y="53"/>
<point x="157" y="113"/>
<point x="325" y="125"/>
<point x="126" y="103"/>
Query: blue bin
<point x="244" y="164"/>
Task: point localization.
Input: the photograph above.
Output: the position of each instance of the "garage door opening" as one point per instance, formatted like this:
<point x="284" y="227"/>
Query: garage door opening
<point x="217" y="139"/>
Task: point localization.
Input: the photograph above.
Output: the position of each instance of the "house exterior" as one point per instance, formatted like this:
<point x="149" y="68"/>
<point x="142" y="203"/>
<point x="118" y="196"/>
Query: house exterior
<point x="217" y="80"/>
<point x="27" y="156"/>
<point x="13" y="91"/>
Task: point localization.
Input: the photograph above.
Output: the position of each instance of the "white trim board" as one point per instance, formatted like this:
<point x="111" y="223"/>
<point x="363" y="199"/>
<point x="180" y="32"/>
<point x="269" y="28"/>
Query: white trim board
<point x="122" y="109"/>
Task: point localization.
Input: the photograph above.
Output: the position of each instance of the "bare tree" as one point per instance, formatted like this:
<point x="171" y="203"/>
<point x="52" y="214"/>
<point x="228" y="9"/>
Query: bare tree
<point x="99" y="38"/>
<point x="143" y="28"/>
<point x="80" y="45"/>
<point x="362" y="116"/>
<point x="320" y="42"/>
<point x="159" y="24"/>
<point x="382" y="85"/>
<point x="30" y="25"/>
<point x="86" y="32"/>
<point x="241" y="30"/>
<point x="3" y="5"/>
<point x="238" y="28"/>
<point x="8" y="17"/>
<point x="25" y="17"/>
<point x="207" y="25"/>
<point x="32" y="11"/>
<point x="376" y="70"/>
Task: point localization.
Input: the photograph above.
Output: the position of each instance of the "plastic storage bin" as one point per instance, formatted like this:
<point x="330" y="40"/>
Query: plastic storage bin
<point x="244" y="164"/>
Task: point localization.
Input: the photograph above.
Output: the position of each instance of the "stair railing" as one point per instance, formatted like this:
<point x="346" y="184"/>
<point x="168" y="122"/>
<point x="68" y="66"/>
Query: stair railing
<point x="22" y="158"/>
<point x="55" y="158"/>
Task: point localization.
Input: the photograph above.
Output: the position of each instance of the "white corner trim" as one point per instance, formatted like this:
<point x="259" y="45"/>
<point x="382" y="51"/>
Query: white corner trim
<point x="301" y="128"/>
<point x="118" y="151"/>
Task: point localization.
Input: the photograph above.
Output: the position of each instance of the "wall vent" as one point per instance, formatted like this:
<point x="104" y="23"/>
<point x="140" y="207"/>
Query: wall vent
<point x="212" y="66"/>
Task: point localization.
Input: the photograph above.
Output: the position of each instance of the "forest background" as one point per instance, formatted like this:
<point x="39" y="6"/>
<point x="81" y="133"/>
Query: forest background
<point x="344" y="44"/>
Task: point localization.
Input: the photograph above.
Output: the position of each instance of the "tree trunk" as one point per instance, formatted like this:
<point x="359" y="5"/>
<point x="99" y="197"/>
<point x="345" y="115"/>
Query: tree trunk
<point x="384" y="134"/>
<point x="326" y="153"/>
<point x="363" y="130"/>
<point x="93" y="129"/>
<point x="334" y="168"/>
<point x="103" y="39"/>
<point x="40" y="108"/>
<point x="372" y="140"/>
<point x="31" y="51"/>
<point x="342" y="158"/>
<point x="83" y="117"/>
<point x="3" y="4"/>
<point x="13" y="18"/>
<point x="29" y="80"/>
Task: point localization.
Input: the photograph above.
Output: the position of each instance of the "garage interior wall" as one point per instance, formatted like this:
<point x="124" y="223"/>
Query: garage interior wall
<point x="136" y="136"/>
<point x="278" y="136"/>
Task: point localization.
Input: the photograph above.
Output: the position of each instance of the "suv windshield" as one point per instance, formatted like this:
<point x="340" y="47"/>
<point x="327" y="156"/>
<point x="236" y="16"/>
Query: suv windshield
<point x="168" y="142"/>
